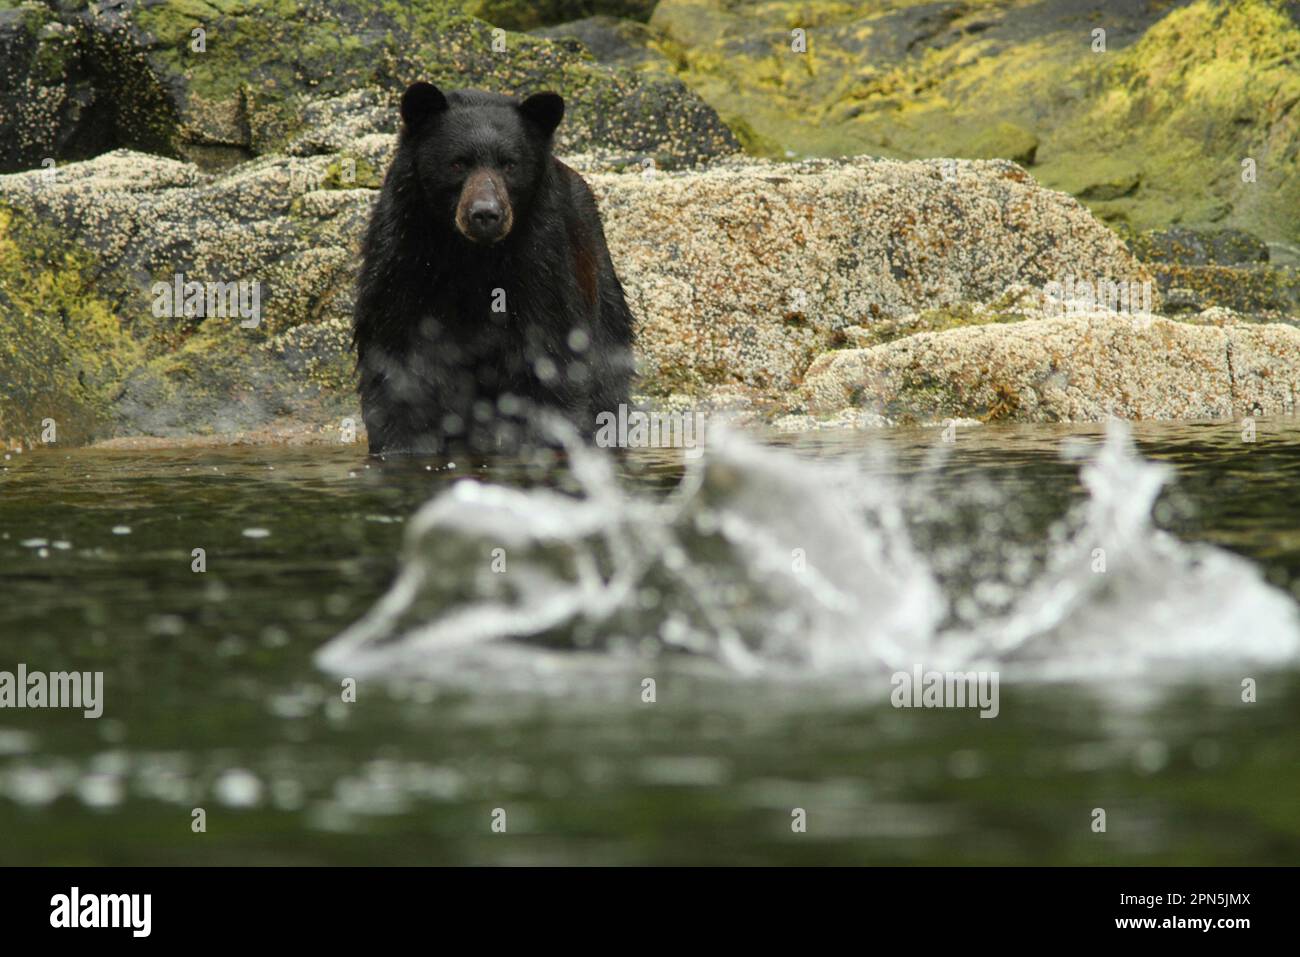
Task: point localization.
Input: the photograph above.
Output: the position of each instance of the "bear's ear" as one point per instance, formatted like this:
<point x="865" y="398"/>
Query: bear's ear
<point x="545" y="110"/>
<point x="420" y="102"/>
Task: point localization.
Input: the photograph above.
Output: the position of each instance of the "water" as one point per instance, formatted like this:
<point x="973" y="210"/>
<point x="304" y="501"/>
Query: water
<point x="770" y="591"/>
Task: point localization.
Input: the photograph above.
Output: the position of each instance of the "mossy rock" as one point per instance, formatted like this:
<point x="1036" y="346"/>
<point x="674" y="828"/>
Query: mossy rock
<point x="221" y="80"/>
<point x="218" y="382"/>
<point x="64" y="350"/>
<point x="930" y="320"/>
<point x="352" y="172"/>
<point x="611" y="41"/>
<point x="1002" y="140"/>
<point x="289" y="224"/>
<point x="1261" y="291"/>
<point x="45" y="93"/>
<point x="1199" y="247"/>
<point x="531" y="14"/>
<point x="1188" y="116"/>
<point x="1094" y="177"/>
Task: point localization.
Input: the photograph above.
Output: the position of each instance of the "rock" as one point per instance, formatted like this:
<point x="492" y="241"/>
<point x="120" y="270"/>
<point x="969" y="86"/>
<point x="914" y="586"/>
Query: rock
<point x="743" y="272"/>
<point x="1069" y="368"/>
<point x="1001" y="140"/>
<point x="1283" y="254"/>
<point x="1011" y="306"/>
<point x="1107" y="181"/>
<point x="63" y="350"/>
<point x="1181" y="298"/>
<point x="1258" y="292"/>
<point x="609" y="39"/>
<point x="1155" y="129"/>
<point x="212" y="82"/>
<point x="1263" y="361"/>
<point x="44" y="91"/>
<point x="1199" y="247"/>
<point x="739" y="273"/>
<point x="531" y="14"/>
<point x="140" y="220"/>
<point x="1223" y="269"/>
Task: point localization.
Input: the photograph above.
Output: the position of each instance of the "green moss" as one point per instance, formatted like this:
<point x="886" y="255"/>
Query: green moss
<point x="351" y="172"/>
<point x="56" y="53"/>
<point x="1151" y="132"/>
<point x="531" y="14"/>
<point x="64" y="351"/>
<point x="848" y="93"/>
<point x="935" y="320"/>
<point x="244" y="66"/>
<point x="1093" y="176"/>
<point x="752" y="141"/>
<point x="244" y="90"/>
<point x="1210" y="85"/>
<point x="922" y="398"/>
<point x="1002" y="140"/>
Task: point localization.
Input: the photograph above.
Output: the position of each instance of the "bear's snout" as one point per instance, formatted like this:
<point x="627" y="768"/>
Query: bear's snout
<point x="483" y="214"/>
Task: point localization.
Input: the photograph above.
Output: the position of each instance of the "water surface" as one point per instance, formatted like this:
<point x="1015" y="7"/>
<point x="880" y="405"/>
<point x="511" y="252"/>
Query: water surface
<point x="216" y="696"/>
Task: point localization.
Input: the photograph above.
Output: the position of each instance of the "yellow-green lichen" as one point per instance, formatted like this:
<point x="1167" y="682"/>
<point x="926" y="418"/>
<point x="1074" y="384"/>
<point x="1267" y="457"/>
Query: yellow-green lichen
<point x="1167" y="123"/>
<point x="64" y="351"/>
<point x="931" y="320"/>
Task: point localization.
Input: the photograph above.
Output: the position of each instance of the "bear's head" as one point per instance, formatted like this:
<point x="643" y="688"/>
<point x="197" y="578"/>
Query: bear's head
<point x="478" y="157"/>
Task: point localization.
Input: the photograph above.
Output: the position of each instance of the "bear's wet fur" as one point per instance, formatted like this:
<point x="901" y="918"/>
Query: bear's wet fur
<point x="486" y="294"/>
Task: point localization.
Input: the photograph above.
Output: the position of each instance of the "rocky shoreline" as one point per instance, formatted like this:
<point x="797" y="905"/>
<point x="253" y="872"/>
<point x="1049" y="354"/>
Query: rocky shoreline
<point x="796" y="294"/>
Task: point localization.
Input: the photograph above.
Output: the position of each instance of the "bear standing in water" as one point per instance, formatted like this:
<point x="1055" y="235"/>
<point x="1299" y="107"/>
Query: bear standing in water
<point x="486" y="292"/>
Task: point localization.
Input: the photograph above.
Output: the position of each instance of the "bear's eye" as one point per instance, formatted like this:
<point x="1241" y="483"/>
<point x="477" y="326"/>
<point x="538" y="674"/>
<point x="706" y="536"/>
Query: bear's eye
<point x="508" y="166"/>
<point x="458" y="166"/>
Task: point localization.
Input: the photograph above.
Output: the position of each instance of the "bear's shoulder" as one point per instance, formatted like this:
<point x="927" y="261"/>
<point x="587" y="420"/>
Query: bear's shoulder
<point x="574" y="189"/>
<point x="570" y="177"/>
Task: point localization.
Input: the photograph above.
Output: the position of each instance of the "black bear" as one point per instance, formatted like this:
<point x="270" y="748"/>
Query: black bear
<point x="486" y="292"/>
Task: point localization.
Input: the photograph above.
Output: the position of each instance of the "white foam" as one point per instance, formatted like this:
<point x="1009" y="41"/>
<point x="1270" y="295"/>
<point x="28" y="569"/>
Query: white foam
<point x="768" y="562"/>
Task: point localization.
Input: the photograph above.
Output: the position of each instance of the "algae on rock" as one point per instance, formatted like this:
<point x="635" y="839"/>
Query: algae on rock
<point x="64" y="349"/>
<point x="218" y="81"/>
<point x="1185" y="112"/>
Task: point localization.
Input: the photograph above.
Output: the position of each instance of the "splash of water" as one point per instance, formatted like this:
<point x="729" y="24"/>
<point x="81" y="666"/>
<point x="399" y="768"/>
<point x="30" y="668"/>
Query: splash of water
<point x="766" y="561"/>
<point x="1122" y="598"/>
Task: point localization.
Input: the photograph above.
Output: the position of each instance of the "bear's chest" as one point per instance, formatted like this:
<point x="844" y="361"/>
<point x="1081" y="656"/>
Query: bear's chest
<point x="487" y="334"/>
<point x="496" y="310"/>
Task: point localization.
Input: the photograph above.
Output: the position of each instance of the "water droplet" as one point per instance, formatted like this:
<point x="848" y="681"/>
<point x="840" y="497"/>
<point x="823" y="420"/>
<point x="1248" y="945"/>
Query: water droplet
<point x="238" y="787"/>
